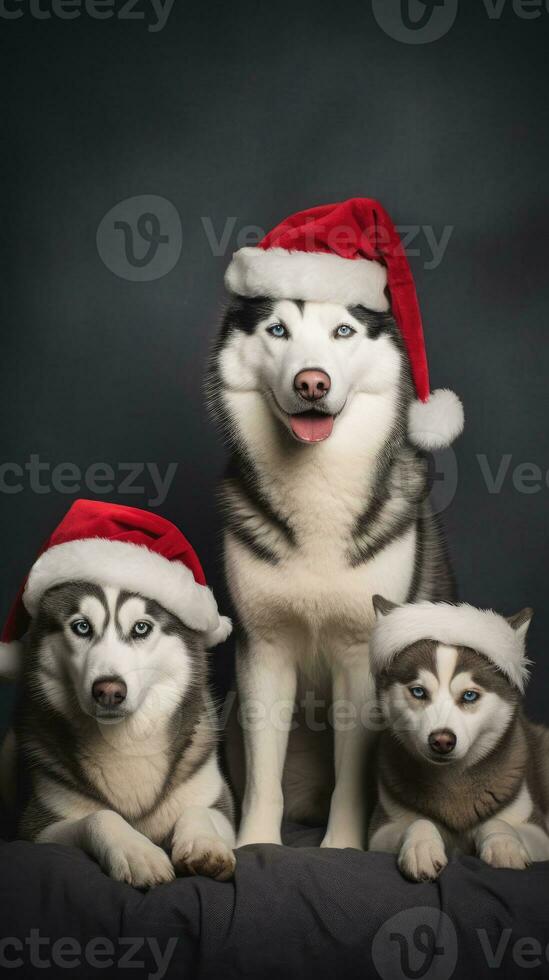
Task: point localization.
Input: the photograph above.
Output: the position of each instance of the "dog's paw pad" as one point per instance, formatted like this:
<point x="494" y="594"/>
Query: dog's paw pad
<point x="505" y="851"/>
<point x="208" y="856"/>
<point x="141" y="864"/>
<point x="422" y="861"/>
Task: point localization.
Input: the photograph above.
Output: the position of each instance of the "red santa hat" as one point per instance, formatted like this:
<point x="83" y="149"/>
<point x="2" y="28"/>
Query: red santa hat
<point x="351" y="253"/>
<point x="131" y="549"/>
<point x="500" y="640"/>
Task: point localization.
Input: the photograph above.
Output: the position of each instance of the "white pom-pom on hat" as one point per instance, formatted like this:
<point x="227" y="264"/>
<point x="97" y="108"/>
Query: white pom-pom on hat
<point x="435" y="423"/>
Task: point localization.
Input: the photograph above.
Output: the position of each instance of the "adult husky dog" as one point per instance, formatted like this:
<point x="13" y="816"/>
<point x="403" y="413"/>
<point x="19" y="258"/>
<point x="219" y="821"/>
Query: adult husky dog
<point x="324" y="500"/>
<point x="459" y="766"/>
<point x="115" y="727"/>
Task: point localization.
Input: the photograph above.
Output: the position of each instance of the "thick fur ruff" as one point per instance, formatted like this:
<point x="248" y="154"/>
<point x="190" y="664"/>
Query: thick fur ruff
<point x="453" y="625"/>
<point x="134" y="568"/>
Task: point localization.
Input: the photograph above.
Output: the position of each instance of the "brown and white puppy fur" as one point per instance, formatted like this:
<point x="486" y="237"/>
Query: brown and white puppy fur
<point x="459" y="765"/>
<point x="117" y="733"/>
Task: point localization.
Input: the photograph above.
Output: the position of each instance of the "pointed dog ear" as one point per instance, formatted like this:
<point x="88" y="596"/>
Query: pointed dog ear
<point x="521" y="621"/>
<point x="383" y="606"/>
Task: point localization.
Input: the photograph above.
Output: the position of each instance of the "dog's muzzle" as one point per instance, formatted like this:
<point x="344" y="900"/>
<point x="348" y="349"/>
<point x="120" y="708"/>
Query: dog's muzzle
<point x="442" y="742"/>
<point x="312" y="384"/>
<point x="109" y="692"/>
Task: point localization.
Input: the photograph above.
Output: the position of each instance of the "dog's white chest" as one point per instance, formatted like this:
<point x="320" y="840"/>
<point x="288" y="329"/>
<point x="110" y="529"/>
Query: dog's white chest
<point x="130" y="776"/>
<point x="316" y="588"/>
<point x="315" y="584"/>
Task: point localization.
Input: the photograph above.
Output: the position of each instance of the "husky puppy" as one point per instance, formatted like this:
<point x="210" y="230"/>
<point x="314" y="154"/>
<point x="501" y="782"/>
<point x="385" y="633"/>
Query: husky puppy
<point x="116" y="733"/>
<point x="325" y="505"/>
<point x="459" y="766"/>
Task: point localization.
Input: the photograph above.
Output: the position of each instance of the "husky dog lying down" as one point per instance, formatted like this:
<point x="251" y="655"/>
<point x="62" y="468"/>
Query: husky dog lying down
<point x="458" y="765"/>
<point x="115" y="727"/>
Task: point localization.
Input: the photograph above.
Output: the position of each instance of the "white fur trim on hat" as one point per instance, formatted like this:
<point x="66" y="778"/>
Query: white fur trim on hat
<point x="128" y="566"/>
<point x="435" y="424"/>
<point x="10" y="659"/>
<point x="461" y="625"/>
<point x="220" y="634"/>
<point x="321" y="276"/>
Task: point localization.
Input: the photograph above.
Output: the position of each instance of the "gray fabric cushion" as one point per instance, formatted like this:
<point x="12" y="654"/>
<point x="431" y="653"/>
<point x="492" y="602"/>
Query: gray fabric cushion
<point x="293" y="911"/>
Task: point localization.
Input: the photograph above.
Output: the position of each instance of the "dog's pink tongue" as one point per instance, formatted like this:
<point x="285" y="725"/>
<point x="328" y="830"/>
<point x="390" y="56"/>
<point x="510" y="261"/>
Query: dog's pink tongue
<point x="312" y="428"/>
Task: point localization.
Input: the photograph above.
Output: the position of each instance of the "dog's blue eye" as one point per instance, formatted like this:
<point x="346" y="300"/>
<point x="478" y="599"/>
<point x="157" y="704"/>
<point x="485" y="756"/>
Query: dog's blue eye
<point x="470" y="697"/>
<point x="81" y="627"/>
<point x="418" y="692"/>
<point x="344" y="331"/>
<point x="278" y="330"/>
<point x="141" y="629"/>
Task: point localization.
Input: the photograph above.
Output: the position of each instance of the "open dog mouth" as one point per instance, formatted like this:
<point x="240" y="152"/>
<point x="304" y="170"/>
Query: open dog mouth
<point x="312" y="426"/>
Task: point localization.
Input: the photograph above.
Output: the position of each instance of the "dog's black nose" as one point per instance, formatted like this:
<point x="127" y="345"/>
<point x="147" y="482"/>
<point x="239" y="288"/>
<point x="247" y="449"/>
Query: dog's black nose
<point x="442" y="741"/>
<point x="109" y="691"/>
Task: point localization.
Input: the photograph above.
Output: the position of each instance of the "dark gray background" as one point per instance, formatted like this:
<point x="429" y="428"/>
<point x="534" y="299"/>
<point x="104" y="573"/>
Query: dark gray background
<point x="253" y="110"/>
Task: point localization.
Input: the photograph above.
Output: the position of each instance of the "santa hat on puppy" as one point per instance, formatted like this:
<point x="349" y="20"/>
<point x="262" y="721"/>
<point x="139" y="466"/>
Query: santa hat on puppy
<point x="131" y="549"/>
<point x="351" y="253"/>
<point x="502" y="641"/>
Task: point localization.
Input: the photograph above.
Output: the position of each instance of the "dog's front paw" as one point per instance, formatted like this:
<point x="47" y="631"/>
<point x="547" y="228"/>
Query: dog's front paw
<point x="504" y="851"/>
<point x="422" y="860"/>
<point x="139" y="862"/>
<point x="208" y="856"/>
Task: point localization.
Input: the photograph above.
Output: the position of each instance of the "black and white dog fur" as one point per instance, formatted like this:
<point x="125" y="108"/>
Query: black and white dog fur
<point x="458" y="765"/>
<point x="117" y="732"/>
<point x="312" y="532"/>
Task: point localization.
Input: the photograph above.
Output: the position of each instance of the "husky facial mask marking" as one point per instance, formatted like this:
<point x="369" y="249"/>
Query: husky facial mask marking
<point x="459" y="766"/>
<point x="310" y="360"/>
<point x="127" y="548"/>
<point x="445" y="703"/>
<point x="121" y="653"/>
<point x="350" y="253"/>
